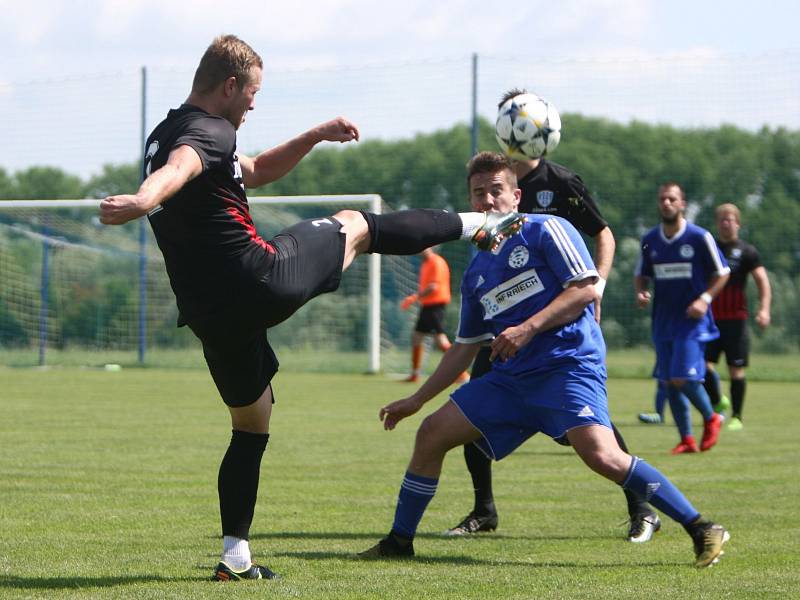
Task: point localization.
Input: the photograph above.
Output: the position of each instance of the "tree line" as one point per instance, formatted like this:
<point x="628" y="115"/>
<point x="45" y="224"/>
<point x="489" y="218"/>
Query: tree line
<point x="621" y="164"/>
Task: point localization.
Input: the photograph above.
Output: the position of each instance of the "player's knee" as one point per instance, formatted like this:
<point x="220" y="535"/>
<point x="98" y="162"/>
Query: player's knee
<point x="611" y="463"/>
<point x="356" y="230"/>
<point x="429" y="436"/>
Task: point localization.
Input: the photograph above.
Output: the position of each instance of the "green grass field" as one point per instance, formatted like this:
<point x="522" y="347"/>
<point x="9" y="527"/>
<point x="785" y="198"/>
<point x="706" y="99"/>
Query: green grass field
<point x="108" y="490"/>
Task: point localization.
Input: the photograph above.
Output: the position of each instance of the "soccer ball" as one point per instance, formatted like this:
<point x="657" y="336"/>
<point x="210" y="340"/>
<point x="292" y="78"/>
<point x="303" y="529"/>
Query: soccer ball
<point x="527" y="127"/>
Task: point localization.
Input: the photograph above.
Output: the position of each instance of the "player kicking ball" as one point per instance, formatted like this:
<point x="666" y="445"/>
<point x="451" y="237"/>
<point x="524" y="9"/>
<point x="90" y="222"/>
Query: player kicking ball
<point x="532" y="296"/>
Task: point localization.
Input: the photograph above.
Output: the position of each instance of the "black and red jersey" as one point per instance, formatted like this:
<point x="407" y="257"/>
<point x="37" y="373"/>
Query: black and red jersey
<point x="731" y="303"/>
<point x="205" y="231"/>
<point x="555" y="190"/>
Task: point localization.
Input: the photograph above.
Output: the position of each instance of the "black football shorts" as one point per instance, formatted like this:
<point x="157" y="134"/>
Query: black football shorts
<point x="431" y="319"/>
<point x="307" y="262"/>
<point x="733" y="340"/>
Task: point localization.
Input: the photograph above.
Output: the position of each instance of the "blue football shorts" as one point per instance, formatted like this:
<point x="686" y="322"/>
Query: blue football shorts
<point x="680" y="359"/>
<point x="507" y="409"/>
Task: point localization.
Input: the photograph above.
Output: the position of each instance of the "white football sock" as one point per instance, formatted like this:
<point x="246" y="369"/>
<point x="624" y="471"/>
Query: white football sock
<point x="236" y="553"/>
<point x="470" y="223"/>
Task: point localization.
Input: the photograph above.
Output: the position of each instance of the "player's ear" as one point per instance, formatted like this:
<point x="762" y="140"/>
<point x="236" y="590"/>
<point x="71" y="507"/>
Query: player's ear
<point x="517" y="198"/>
<point x="229" y="86"/>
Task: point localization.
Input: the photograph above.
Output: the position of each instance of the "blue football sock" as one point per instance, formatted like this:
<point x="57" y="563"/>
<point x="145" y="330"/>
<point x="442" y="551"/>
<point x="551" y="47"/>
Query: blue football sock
<point x="654" y="487"/>
<point x="415" y="494"/>
<point x="661" y="398"/>
<point x="698" y="396"/>
<point x="680" y="410"/>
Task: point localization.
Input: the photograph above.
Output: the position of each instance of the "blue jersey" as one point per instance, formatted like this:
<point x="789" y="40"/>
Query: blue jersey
<point x="504" y="288"/>
<point x="681" y="268"/>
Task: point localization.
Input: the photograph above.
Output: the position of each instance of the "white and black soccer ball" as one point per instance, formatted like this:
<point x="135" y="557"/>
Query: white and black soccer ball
<point x="527" y="127"/>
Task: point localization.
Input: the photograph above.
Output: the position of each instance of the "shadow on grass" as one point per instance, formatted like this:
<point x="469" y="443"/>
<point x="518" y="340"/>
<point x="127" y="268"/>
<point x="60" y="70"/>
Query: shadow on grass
<point x="69" y="583"/>
<point x="461" y="560"/>
<point x="487" y="537"/>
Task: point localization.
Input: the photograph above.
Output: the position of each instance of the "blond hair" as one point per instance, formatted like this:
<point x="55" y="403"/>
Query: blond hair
<point x="227" y="56"/>
<point x="723" y="209"/>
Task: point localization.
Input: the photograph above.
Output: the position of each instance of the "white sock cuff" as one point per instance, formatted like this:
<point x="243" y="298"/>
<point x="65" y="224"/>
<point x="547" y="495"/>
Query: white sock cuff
<point x="236" y="552"/>
<point x="470" y="223"/>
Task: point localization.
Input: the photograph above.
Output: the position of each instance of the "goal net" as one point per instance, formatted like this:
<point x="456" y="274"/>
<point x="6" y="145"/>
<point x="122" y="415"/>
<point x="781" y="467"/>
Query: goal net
<point x="76" y="292"/>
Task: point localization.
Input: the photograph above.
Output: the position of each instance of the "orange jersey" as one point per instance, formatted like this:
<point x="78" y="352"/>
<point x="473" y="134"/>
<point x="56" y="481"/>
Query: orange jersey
<point x="434" y="269"/>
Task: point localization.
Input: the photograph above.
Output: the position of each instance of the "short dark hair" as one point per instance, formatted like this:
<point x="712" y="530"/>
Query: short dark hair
<point x="227" y="56"/>
<point x="491" y="162"/>
<point x="669" y="184"/>
<point x="511" y="94"/>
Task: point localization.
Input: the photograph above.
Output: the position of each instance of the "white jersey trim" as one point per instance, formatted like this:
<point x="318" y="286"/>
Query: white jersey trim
<point x="569" y="252"/>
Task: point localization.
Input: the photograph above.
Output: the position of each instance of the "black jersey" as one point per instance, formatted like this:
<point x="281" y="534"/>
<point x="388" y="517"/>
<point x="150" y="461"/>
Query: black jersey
<point x="731" y="304"/>
<point x="211" y="249"/>
<point x="555" y="190"/>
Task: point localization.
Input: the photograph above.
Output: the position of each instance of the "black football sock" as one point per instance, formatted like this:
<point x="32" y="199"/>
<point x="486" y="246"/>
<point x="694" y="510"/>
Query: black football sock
<point x="636" y="505"/>
<point x="480" y="468"/>
<point x="738" y="387"/>
<point x="711" y="384"/>
<point x="237" y="483"/>
<point x="411" y="231"/>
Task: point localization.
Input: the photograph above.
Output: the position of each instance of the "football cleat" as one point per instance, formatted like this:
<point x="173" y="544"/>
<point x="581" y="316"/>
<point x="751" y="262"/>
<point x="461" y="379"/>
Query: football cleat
<point x="651" y="418"/>
<point x="711" y="432"/>
<point x="389" y="547"/>
<point x="496" y="228"/>
<point x="735" y="424"/>
<point x="724" y="404"/>
<point x="473" y="523"/>
<point x="411" y="379"/>
<point x="643" y="527"/>
<point x="687" y="446"/>
<point x="708" y="541"/>
<point x="223" y="572"/>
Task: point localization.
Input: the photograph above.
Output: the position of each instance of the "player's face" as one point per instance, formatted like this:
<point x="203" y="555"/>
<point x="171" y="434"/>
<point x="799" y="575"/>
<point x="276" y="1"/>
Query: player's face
<point x="670" y="204"/>
<point x="492" y="192"/>
<point x="244" y="100"/>
<point x="728" y="226"/>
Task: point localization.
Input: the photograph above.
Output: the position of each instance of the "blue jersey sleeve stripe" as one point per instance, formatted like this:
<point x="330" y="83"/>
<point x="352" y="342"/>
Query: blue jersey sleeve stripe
<point x="564" y="244"/>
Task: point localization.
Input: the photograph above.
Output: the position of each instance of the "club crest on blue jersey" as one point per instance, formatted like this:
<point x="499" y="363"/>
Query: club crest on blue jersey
<point x="519" y="257"/>
<point x="545" y="198"/>
<point x="687" y="251"/>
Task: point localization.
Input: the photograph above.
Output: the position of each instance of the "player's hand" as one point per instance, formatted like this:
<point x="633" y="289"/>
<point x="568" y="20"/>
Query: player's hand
<point x="697" y="309"/>
<point x="643" y="298"/>
<point x="408" y="301"/>
<point x="507" y="344"/>
<point x="393" y="413"/>
<point x="763" y="319"/>
<point x="338" y="130"/>
<point x="116" y="210"/>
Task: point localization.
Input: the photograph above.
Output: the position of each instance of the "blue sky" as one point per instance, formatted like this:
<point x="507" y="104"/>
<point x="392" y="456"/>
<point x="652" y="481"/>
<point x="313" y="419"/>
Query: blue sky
<point x="59" y="40"/>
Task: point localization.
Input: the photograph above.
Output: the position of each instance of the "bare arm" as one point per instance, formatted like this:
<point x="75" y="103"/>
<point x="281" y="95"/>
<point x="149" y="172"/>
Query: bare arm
<point x="699" y="306"/>
<point x="276" y="162"/>
<point x="641" y="286"/>
<point x="565" y="308"/>
<point x="763" y="317"/>
<point x="182" y="166"/>
<point x="605" y="245"/>
<point x="454" y="362"/>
